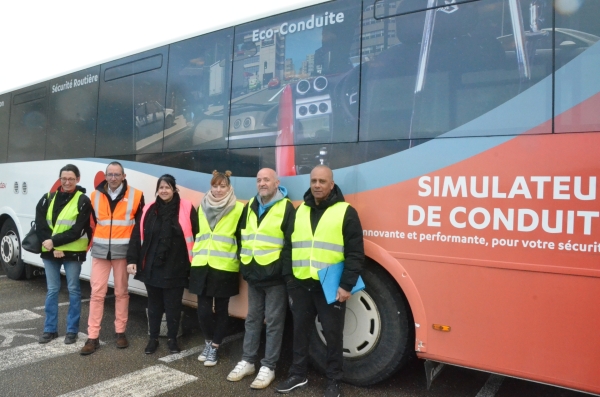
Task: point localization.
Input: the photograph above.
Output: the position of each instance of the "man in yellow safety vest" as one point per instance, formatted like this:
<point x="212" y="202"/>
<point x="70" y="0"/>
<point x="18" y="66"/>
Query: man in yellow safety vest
<point x="261" y="230"/>
<point x="326" y="231"/>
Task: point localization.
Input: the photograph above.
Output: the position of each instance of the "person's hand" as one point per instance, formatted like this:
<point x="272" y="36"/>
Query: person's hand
<point x="58" y="254"/>
<point x="132" y="268"/>
<point x="342" y="295"/>
<point x="48" y="244"/>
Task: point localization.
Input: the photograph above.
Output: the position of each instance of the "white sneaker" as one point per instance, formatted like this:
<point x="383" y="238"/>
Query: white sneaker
<point x="263" y="379"/>
<point x="202" y="356"/>
<point x="242" y="369"/>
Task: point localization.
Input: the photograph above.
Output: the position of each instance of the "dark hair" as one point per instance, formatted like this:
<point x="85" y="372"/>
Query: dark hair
<point x="220" y="176"/>
<point x="70" y="167"/>
<point x="116" y="163"/>
<point x="169" y="179"/>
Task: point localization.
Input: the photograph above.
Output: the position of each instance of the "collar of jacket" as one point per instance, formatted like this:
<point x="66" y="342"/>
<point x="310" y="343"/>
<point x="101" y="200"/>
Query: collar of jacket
<point x="103" y="188"/>
<point x="335" y="196"/>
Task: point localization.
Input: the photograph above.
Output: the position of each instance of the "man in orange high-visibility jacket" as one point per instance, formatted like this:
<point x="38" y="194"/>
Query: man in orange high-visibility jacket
<point x="117" y="208"/>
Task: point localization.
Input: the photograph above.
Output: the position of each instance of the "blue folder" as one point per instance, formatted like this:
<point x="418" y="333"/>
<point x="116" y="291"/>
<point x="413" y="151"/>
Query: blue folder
<point x="330" y="281"/>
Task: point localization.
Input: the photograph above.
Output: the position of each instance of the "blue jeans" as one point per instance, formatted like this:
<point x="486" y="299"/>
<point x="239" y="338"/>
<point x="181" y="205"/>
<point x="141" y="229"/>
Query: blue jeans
<point x="72" y="270"/>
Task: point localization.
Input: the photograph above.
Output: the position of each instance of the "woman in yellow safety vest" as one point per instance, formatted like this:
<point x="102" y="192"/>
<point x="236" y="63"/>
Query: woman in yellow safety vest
<point x="215" y="265"/>
<point x="62" y="222"/>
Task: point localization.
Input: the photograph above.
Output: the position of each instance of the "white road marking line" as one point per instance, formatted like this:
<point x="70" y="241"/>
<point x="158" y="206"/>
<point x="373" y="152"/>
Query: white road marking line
<point x="194" y="350"/>
<point x="184" y="353"/>
<point x="66" y="303"/>
<point x="231" y="338"/>
<point x="146" y="382"/>
<point x="491" y="387"/>
<point x="35" y="352"/>
<point x="3" y="276"/>
<point x="275" y="96"/>
<point x="17" y="316"/>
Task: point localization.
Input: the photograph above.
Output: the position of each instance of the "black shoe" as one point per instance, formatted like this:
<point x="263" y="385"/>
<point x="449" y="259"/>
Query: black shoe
<point x="48" y="336"/>
<point x="173" y="348"/>
<point x="70" y="338"/>
<point x="151" y="346"/>
<point x="333" y="388"/>
<point x="291" y="383"/>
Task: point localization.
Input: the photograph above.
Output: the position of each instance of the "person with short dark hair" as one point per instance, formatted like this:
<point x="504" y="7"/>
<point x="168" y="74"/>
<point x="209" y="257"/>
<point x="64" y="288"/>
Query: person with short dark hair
<point x="117" y="208"/>
<point x="215" y="266"/>
<point x="159" y="254"/>
<point x="326" y="231"/>
<point x="62" y="222"/>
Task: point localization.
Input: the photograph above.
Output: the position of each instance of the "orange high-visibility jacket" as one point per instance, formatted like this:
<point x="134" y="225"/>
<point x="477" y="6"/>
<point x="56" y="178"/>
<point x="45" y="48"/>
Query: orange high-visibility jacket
<point x="113" y="229"/>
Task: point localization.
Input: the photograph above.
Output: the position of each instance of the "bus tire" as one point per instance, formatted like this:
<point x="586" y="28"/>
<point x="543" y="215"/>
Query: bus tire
<point x="10" y="251"/>
<point x="374" y="352"/>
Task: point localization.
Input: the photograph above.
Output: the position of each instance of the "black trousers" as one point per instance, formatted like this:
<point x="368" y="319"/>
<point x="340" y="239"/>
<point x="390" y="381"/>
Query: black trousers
<point x="214" y="326"/>
<point x="164" y="300"/>
<point x="305" y="305"/>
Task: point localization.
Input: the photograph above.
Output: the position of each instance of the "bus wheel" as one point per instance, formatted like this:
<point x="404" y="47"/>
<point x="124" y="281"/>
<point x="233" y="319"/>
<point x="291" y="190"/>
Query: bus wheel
<point x="10" y="251"/>
<point x="378" y="331"/>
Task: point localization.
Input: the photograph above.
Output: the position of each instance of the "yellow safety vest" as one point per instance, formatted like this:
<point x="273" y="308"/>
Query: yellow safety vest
<point x="265" y="241"/>
<point x="218" y="248"/>
<point x="65" y="221"/>
<point x="313" y="253"/>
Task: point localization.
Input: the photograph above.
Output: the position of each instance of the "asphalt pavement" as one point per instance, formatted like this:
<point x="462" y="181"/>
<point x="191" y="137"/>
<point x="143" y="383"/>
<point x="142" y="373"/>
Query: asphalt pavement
<point x="30" y="369"/>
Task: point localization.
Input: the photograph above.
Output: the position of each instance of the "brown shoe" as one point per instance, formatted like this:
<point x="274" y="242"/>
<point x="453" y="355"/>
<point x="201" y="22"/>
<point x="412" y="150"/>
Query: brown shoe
<point x="90" y="346"/>
<point x="122" y="341"/>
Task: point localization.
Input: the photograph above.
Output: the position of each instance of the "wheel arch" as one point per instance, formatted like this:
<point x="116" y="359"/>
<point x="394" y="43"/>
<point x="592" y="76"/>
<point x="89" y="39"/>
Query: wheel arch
<point x="395" y="269"/>
<point x="7" y="213"/>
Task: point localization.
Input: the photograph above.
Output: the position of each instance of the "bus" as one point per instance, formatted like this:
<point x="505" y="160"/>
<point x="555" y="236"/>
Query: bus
<point x="465" y="132"/>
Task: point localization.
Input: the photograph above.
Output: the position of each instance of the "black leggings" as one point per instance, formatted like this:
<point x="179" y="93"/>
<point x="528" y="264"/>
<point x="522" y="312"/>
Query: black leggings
<point x="164" y="300"/>
<point x="214" y="326"/>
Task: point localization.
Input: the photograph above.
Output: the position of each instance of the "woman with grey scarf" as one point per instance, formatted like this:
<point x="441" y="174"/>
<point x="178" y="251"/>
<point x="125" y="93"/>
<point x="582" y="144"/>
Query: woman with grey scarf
<point x="215" y="266"/>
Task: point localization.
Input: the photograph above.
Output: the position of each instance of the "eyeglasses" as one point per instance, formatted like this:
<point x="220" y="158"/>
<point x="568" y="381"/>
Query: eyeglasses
<point x="114" y="175"/>
<point x="70" y="180"/>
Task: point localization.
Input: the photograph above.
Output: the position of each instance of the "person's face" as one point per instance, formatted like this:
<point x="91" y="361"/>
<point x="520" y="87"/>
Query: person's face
<point x="165" y="191"/>
<point x="266" y="184"/>
<point x="114" y="176"/>
<point x="219" y="190"/>
<point x="321" y="183"/>
<point x="68" y="181"/>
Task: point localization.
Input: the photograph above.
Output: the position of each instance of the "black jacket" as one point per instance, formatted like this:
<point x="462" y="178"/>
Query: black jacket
<point x="177" y="264"/>
<point x="354" y="252"/>
<point x="254" y="273"/>
<point x="82" y="223"/>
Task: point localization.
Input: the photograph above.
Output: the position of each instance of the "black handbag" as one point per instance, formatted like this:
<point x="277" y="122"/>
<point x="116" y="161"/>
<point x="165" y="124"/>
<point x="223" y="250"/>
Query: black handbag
<point x="31" y="242"/>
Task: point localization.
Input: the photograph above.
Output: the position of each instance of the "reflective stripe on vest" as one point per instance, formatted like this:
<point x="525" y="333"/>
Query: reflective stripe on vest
<point x="218" y="248"/>
<point x="185" y="208"/>
<point x="265" y="241"/>
<point x="113" y="229"/>
<point x="65" y="221"/>
<point x="313" y="253"/>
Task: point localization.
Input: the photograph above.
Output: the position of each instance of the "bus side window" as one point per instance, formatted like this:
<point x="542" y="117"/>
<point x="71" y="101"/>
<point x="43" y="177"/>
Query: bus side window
<point x="126" y="86"/>
<point x="4" y="117"/>
<point x="72" y="114"/>
<point x="413" y="91"/>
<point x="198" y="92"/>
<point x="28" y="122"/>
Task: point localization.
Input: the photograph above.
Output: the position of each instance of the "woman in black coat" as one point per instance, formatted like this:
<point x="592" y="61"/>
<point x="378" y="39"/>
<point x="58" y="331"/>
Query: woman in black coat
<point x="161" y="256"/>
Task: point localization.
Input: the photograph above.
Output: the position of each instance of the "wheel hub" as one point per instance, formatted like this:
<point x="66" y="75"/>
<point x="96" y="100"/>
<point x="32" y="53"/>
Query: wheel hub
<point x="9" y="248"/>
<point x="362" y="326"/>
